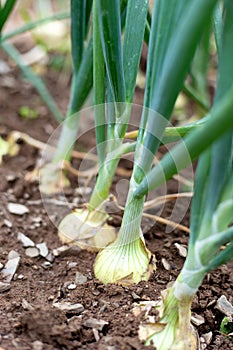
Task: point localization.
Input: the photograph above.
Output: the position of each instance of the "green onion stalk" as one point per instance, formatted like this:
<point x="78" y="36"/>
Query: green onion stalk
<point x="114" y="75"/>
<point x="176" y="27"/>
<point x="52" y="178"/>
<point x="211" y="231"/>
<point x="210" y="245"/>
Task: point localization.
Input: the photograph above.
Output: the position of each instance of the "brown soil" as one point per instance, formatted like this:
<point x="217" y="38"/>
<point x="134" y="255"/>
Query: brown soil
<point x="28" y="319"/>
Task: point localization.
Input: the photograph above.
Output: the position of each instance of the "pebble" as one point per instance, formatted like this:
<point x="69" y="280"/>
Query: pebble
<point x="32" y="252"/>
<point x="10" y="269"/>
<point x="182" y="249"/>
<point x="43" y="249"/>
<point x="95" y="323"/>
<point x="1" y="266"/>
<point x="17" y="209"/>
<point x="166" y="264"/>
<point x="20" y="277"/>
<point x="50" y="257"/>
<point x="25" y="240"/>
<point x="72" y="286"/>
<point x="26" y="305"/>
<point x="80" y="278"/>
<point x="46" y="265"/>
<point x="69" y="307"/>
<point x="224" y="306"/>
<point x="7" y="223"/>
<point x="72" y="264"/>
<point x="12" y="254"/>
<point x="135" y="296"/>
<point x="4" y="287"/>
<point x="197" y="319"/>
<point x="11" y="177"/>
<point x="37" y="345"/>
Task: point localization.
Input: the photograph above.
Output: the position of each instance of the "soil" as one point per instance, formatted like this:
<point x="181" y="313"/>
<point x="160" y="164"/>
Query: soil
<point x="28" y="319"/>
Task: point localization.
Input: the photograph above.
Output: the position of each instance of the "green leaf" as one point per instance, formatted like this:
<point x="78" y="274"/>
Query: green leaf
<point x="81" y="87"/>
<point x="99" y="88"/>
<point x="110" y="29"/>
<point x="133" y="39"/>
<point x="191" y="146"/>
<point x="5" y="12"/>
<point x="200" y="185"/>
<point x="223" y="257"/>
<point x="218" y="25"/>
<point x="78" y="31"/>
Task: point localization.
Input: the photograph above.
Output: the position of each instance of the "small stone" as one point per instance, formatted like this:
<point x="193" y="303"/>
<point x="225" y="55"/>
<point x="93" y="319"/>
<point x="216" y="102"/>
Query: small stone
<point x="7" y="223"/>
<point x="1" y="266"/>
<point x="58" y="251"/>
<point x="224" y="306"/>
<point x="25" y="240"/>
<point x="95" y="323"/>
<point x="182" y="249"/>
<point x="80" y="278"/>
<point x="197" y="319"/>
<point x="13" y="254"/>
<point x="72" y="264"/>
<point x="50" y="257"/>
<point x="135" y="296"/>
<point x="72" y="286"/>
<point x="37" y="345"/>
<point x="37" y="220"/>
<point x="17" y="209"/>
<point x="32" y="252"/>
<point x="11" y="177"/>
<point x="166" y="264"/>
<point x="4" y="68"/>
<point x="43" y="249"/>
<point x="207" y="337"/>
<point x="71" y="251"/>
<point x="26" y="305"/>
<point x="46" y="265"/>
<point x="69" y="307"/>
<point x="10" y="269"/>
<point x="96" y="334"/>
<point x="20" y="277"/>
<point x="4" y="287"/>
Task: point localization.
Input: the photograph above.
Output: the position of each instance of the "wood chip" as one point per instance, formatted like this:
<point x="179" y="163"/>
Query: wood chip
<point x="25" y="240"/>
<point x="17" y="209"/>
<point x="69" y="307"/>
<point x="32" y="252"/>
<point x="182" y="249"/>
<point x="10" y="269"/>
<point x="224" y="306"/>
<point x="95" y="323"/>
<point x="43" y="249"/>
<point x="4" y="287"/>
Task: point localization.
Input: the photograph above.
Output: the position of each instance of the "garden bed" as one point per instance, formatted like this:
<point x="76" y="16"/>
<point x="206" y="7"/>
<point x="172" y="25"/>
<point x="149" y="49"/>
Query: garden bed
<point x="28" y="318"/>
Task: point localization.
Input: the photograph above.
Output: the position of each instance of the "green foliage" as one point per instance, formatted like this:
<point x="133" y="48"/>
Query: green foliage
<point x="28" y="113"/>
